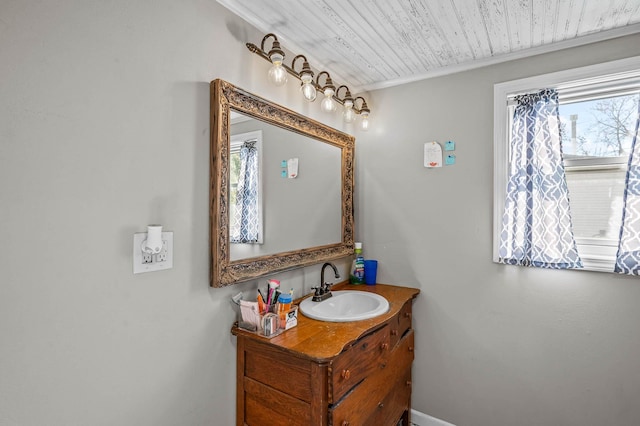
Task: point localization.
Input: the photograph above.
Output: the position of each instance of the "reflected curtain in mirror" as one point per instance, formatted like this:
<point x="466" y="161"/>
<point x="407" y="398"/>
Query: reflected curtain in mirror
<point x="245" y="222"/>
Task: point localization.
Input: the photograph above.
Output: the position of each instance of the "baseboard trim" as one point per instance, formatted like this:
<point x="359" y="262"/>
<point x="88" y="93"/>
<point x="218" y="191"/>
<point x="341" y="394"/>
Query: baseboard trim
<point x="421" y="419"/>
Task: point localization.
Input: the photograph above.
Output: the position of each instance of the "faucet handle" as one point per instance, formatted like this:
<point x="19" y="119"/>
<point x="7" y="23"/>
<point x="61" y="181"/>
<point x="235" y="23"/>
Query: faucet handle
<point x="318" y="290"/>
<point x="326" y="287"/>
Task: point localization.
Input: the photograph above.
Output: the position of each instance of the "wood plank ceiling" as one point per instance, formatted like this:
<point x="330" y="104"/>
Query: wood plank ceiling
<point x="379" y="43"/>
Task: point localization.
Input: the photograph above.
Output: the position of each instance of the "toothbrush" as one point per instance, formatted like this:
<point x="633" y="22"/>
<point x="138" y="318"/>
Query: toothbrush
<point x="270" y="297"/>
<point x="273" y="285"/>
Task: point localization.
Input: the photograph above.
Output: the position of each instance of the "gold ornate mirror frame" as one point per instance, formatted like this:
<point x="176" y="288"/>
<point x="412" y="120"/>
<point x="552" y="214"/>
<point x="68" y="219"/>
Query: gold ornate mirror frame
<point x="224" y="98"/>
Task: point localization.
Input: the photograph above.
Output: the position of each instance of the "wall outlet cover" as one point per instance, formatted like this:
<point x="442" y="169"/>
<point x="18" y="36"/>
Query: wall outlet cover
<point x="147" y="258"/>
<point x="144" y="262"/>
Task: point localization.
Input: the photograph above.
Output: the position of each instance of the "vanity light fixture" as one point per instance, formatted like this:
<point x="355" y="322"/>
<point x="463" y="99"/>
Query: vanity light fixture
<point x="327" y="104"/>
<point x="306" y="75"/>
<point x="278" y="76"/>
<point x="277" y="73"/>
<point x="364" y="112"/>
<point x="348" y="115"/>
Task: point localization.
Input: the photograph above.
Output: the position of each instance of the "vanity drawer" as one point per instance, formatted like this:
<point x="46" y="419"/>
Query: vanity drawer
<point x="368" y="400"/>
<point x="404" y="318"/>
<point x="401" y="323"/>
<point x="364" y="357"/>
<point x="264" y="405"/>
<point x="259" y="366"/>
<point x="391" y="408"/>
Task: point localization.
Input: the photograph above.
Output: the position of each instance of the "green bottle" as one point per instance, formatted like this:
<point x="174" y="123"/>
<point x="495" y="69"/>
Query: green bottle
<point x="356" y="274"/>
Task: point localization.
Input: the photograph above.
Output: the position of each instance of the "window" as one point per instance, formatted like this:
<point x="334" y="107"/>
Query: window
<point x="598" y="108"/>
<point x="596" y="142"/>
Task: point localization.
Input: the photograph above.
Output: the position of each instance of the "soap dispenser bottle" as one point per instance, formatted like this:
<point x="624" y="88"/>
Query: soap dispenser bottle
<point x="356" y="274"/>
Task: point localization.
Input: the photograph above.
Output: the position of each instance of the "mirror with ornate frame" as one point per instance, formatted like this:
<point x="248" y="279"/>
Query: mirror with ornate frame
<point x="227" y="99"/>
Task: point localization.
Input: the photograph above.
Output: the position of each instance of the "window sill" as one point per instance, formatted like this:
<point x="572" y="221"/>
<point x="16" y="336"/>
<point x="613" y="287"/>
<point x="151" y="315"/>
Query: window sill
<point x="598" y="264"/>
<point x="600" y="258"/>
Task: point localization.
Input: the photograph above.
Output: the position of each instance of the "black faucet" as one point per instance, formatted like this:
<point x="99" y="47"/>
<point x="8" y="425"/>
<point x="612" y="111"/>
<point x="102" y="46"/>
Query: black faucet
<point x="323" y="291"/>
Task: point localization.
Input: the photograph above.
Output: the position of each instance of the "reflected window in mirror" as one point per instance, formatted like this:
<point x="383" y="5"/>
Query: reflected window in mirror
<point x="245" y="188"/>
<point x="298" y="212"/>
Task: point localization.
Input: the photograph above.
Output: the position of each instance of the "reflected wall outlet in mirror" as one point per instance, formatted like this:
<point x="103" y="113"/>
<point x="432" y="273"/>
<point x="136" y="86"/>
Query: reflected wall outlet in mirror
<point x="147" y="262"/>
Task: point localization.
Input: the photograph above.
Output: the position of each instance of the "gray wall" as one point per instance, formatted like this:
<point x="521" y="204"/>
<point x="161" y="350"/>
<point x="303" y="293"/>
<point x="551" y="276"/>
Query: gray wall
<point x="104" y="128"/>
<point x="496" y="345"/>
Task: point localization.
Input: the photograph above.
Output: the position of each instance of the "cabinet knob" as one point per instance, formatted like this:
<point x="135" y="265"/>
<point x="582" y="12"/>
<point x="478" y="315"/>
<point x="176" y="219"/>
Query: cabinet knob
<point x="345" y="423"/>
<point x="407" y="314"/>
<point x="409" y="383"/>
<point x="383" y="365"/>
<point x="381" y="405"/>
<point x="410" y="348"/>
<point x="384" y="346"/>
<point x="394" y="332"/>
<point x="345" y="374"/>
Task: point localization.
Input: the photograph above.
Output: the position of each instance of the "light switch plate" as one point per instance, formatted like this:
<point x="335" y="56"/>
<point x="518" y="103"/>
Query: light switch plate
<point x="160" y="261"/>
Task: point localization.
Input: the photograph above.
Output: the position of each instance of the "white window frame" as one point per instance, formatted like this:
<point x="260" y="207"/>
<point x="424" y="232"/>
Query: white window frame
<point x="601" y="258"/>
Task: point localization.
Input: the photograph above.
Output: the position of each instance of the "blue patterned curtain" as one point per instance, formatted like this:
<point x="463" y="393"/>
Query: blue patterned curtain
<point x="245" y="226"/>
<point x="536" y="225"/>
<point x="628" y="256"/>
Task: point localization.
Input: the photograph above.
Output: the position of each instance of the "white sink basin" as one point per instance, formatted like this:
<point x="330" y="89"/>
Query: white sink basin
<point x="346" y="305"/>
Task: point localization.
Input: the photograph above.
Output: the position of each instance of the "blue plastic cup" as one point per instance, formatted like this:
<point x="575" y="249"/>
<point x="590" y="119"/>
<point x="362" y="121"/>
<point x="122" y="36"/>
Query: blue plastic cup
<point x="370" y="271"/>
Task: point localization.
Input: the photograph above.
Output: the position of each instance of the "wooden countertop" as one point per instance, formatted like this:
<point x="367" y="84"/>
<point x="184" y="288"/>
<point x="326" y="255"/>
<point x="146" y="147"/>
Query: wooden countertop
<point x="321" y="340"/>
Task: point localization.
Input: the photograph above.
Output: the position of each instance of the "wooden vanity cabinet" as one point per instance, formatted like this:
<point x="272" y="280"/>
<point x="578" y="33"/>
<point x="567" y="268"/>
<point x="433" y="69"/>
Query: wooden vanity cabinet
<point x="340" y="374"/>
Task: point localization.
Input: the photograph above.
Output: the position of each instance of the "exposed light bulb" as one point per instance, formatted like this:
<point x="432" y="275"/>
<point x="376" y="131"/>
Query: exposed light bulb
<point x="364" y="124"/>
<point x="328" y="105"/>
<point x="308" y="91"/>
<point x="349" y="114"/>
<point x="364" y="112"/>
<point x="277" y="73"/>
